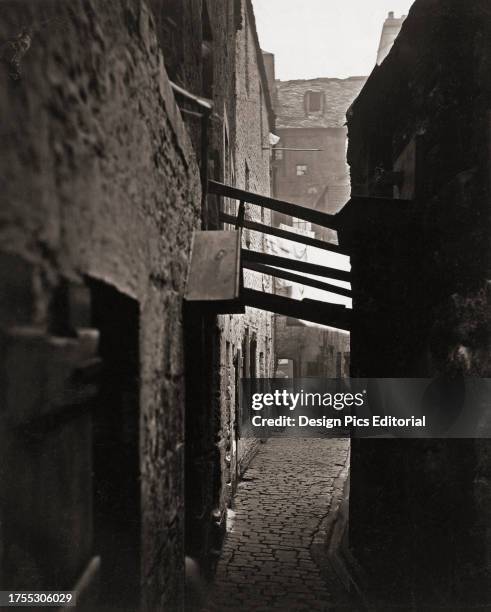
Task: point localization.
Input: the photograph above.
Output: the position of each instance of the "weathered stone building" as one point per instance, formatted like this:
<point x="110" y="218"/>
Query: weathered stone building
<point x="243" y="345"/>
<point x="104" y="167"/>
<point x="247" y="340"/>
<point x="310" y="160"/>
<point x="419" y="136"/>
<point x="313" y="350"/>
<point x="310" y="168"/>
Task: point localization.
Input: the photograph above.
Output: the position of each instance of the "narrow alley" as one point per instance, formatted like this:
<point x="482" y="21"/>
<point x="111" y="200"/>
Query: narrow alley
<point x="226" y="221"/>
<point x="268" y="560"/>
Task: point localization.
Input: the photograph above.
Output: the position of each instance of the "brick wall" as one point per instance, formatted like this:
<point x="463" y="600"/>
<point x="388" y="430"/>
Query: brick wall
<point x="99" y="182"/>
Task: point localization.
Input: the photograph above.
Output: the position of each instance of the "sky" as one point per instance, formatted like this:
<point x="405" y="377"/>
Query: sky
<point x="323" y="38"/>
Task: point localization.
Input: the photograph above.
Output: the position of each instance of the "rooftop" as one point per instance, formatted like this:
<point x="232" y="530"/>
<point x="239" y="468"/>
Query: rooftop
<point x="339" y="94"/>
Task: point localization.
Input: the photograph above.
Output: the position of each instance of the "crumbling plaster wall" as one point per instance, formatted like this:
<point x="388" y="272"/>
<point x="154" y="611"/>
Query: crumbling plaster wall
<point x="99" y="179"/>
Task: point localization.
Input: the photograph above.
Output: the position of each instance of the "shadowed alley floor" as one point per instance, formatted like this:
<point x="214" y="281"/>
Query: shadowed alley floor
<point x="280" y="509"/>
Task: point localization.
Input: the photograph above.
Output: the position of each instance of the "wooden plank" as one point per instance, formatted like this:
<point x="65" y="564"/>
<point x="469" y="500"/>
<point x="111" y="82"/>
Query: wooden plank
<point x="288" y="208"/>
<point x="281" y="233"/>
<point x="295" y="264"/>
<point x="239" y="221"/>
<point x="314" y="311"/>
<point x="214" y="272"/>
<point x="296" y="278"/>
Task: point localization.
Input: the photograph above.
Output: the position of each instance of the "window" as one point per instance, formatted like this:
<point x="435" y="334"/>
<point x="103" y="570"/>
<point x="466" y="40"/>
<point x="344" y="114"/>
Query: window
<point x="278" y="154"/>
<point x="314" y="101"/>
<point x="301" y="169"/>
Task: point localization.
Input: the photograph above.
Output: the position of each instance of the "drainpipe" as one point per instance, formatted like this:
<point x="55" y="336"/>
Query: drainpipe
<point x="204" y="112"/>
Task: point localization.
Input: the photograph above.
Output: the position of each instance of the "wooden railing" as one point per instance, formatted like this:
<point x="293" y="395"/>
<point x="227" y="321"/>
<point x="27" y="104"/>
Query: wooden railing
<point x="273" y="265"/>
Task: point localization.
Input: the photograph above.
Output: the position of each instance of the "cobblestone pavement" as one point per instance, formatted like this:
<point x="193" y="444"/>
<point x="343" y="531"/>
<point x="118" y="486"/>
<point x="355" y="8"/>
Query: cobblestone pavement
<point x="279" y="511"/>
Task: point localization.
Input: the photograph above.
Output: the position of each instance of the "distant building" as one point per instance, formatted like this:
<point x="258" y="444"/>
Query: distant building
<point x="310" y="159"/>
<point x="310" y="169"/>
<point x="390" y="30"/>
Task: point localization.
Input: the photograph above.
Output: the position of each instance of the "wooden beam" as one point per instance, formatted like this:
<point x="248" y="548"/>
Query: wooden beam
<point x="296" y="278"/>
<point x="295" y="264"/>
<point x="321" y="313"/>
<point x="288" y="208"/>
<point x="280" y="233"/>
<point x="239" y="221"/>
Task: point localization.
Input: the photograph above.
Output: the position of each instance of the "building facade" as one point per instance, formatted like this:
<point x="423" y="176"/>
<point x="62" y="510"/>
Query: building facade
<point x="111" y="389"/>
<point x="310" y="169"/>
<point x="310" y="158"/>
<point x="247" y="340"/>
<point x="242" y="345"/>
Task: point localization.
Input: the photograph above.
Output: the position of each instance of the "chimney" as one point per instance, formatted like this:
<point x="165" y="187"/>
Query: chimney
<point x="268" y="59"/>
<point x="390" y="30"/>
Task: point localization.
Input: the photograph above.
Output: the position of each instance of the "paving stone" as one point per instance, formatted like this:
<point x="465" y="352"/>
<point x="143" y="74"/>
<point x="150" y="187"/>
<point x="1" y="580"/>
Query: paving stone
<point x="279" y="509"/>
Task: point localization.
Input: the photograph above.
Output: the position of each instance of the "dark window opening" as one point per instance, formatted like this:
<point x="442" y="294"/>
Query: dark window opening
<point x="116" y="457"/>
<point x="253" y="357"/>
<point x="237" y="14"/>
<point x="313" y="101"/>
<point x="339" y="365"/>
<point x="237" y="399"/>
<point x="248" y="372"/>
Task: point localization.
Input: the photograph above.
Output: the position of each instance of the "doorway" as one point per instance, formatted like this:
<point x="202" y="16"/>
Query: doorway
<point x="116" y="460"/>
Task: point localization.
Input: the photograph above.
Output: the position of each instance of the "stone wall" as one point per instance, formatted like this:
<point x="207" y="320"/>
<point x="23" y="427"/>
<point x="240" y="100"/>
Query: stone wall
<point x="247" y="340"/>
<point x="312" y="171"/>
<point x="101" y="194"/>
<point x="419" y="131"/>
<point x="99" y="183"/>
<point x="315" y="351"/>
<point x="238" y="131"/>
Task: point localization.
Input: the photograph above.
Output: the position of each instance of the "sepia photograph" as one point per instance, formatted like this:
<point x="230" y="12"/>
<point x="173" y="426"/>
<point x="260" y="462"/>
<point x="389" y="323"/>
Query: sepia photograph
<point x="245" y="283"/>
